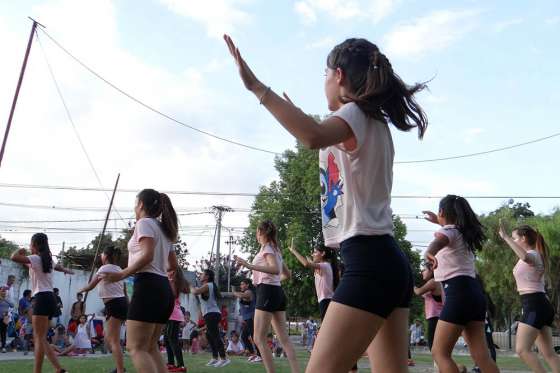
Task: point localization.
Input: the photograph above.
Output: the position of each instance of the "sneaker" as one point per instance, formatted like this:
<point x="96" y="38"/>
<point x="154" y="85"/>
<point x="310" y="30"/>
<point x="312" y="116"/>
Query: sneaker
<point x="256" y="359"/>
<point x="250" y="359"/>
<point x="178" y="369"/>
<point x="222" y="363"/>
<point x="411" y="363"/>
<point x="212" y="363"/>
<point x="170" y="366"/>
<point x="4" y="351"/>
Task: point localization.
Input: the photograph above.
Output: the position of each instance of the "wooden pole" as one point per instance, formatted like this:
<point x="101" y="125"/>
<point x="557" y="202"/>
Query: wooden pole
<point x="20" y="81"/>
<point x="102" y="233"/>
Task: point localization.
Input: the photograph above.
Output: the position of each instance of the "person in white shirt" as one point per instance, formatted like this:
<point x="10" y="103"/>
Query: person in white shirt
<point x="235" y="347"/>
<point x="150" y="257"/>
<point x="113" y="295"/>
<point x="356" y="170"/>
<point x="41" y="267"/>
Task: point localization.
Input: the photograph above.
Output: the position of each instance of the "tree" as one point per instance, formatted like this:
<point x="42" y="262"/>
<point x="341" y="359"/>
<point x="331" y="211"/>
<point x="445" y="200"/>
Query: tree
<point x="293" y="204"/>
<point x="7" y="248"/>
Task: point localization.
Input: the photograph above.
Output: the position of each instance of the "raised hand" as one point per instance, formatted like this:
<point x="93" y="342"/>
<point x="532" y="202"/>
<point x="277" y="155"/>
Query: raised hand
<point x="240" y="261"/>
<point x="247" y="76"/>
<point x="431" y="217"/>
<point x="502" y="230"/>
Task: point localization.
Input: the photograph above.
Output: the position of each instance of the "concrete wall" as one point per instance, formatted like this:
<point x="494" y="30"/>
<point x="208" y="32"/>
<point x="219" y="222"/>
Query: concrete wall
<point x="70" y="284"/>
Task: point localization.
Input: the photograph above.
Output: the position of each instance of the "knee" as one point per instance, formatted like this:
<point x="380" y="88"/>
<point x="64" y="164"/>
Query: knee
<point x="522" y="351"/>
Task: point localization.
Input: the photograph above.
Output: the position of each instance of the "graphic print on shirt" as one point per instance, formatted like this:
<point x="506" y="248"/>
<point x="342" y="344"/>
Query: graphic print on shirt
<point x="331" y="191"/>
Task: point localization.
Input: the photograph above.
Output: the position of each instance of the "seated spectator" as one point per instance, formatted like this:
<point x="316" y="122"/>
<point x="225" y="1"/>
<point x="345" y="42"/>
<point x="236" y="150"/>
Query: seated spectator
<point x="82" y="340"/>
<point x="235" y="347"/>
<point x="60" y="339"/>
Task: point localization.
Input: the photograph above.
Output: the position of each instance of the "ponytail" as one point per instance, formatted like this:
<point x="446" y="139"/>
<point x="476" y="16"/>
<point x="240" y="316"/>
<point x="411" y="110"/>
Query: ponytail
<point x="41" y="242"/>
<point x="179" y="283"/>
<point x="268" y="229"/>
<point x="373" y="85"/>
<point x="169" y="222"/>
<point x="157" y="205"/>
<point x="458" y="211"/>
<point x="542" y="248"/>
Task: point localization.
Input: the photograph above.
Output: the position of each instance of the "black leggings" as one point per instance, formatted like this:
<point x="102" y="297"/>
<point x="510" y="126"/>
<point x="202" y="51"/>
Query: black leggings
<point x="212" y="320"/>
<point x="3" y="330"/>
<point x="171" y="339"/>
<point x="248" y="336"/>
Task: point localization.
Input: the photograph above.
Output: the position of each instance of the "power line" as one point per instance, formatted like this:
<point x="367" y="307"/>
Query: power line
<point x="151" y="108"/>
<point x="245" y="194"/>
<point x="169" y="117"/>
<point x="71" y="120"/>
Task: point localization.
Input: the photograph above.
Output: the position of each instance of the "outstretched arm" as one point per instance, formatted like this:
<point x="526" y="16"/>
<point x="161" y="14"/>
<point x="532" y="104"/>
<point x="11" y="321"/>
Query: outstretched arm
<point x="428" y="286"/>
<point x="303" y="260"/>
<point x="310" y="133"/>
<point x="517" y="249"/>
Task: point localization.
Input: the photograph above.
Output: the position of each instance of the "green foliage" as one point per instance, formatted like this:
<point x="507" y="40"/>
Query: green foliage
<point x="293" y="204"/>
<point x="6" y="248"/>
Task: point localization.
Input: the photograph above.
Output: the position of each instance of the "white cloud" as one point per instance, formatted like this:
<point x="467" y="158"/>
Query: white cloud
<point x="430" y="33"/>
<point x="503" y="25"/>
<point x="327" y="41"/>
<point x="344" y="10"/>
<point x="218" y="16"/>
<point x="470" y="134"/>
<point x="120" y="136"/>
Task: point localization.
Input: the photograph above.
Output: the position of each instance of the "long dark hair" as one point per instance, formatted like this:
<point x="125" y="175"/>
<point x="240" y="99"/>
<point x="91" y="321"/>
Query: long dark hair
<point x="330" y="256"/>
<point x="536" y="240"/>
<point x="158" y="204"/>
<point x="179" y="283"/>
<point x="457" y="210"/>
<point x="268" y="229"/>
<point x="373" y="85"/>
<point x="112" y="253"/>
<point x="211" y="278"/>
<point x="41" y="242"/>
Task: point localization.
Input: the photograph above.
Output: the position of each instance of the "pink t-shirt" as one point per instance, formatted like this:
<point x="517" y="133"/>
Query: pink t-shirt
<point x="149" y="227"/>
<point x="260" y="260"/>
<point x="40" y="281"/>
<point x="530" y="277"/>
<point x="109" y="290"/>
<point x="432" y="308"/>
<point x="177" y="314"/>
<point x="456" y="259"/>
<point x="324" y="281"/>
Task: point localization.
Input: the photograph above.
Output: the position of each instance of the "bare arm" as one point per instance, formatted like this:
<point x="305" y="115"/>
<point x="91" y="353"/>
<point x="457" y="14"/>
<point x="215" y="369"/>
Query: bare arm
<point x="428" y="286"/>
<point x="201" y="290"/>
<point x="439" y="242"/>
<point x="20" y="256"/>
<point x="271" y="266"/>
<point x="58" y="267"/>
<point x="148" y="246"/>
<point x="311" y="134"/>
<point x="245" y="295"/>
<point x="286" y="273"/>
<point x="303" y="260"/>
<point x="517" y="249"/>
<point x="93" y="283"/>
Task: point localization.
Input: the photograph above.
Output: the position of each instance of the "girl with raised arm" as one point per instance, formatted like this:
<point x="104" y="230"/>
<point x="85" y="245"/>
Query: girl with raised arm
<point x="41" y="268"/>
<point x="538" y="314"/>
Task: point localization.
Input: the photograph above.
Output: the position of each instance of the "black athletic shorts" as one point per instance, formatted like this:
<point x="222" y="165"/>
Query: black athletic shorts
<point x="377" y="276"/>
<point x="537" y="310"/>
<point x="270" y="298"/>
<point x="45" y="304"/>
<point x="323" y="305"/>
<point x="117" y="308"/>
<point x="152" y="299"/>
<point x="464" y="301"/>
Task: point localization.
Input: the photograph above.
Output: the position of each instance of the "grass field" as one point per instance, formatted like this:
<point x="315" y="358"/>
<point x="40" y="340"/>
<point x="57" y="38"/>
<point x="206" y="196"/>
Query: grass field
<point x="196" y="364"/>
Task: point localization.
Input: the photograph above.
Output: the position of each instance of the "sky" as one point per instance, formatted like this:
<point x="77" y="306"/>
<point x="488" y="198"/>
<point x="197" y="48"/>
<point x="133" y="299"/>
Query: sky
<point x="491" y="67"/>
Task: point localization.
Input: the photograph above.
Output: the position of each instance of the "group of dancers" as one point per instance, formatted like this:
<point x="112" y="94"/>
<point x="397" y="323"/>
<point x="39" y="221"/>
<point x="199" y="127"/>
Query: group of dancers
<point x="372" y="296"/>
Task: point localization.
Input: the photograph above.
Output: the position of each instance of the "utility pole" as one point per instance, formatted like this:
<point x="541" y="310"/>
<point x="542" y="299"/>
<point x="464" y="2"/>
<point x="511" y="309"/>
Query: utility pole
<point x="230" y="242"/>
<point x="218" y="212"/>
<point x="20" y="80"/>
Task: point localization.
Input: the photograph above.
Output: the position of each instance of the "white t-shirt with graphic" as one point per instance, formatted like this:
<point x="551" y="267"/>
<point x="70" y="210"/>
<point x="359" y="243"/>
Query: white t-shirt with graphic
<point x="356" y="185"/>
